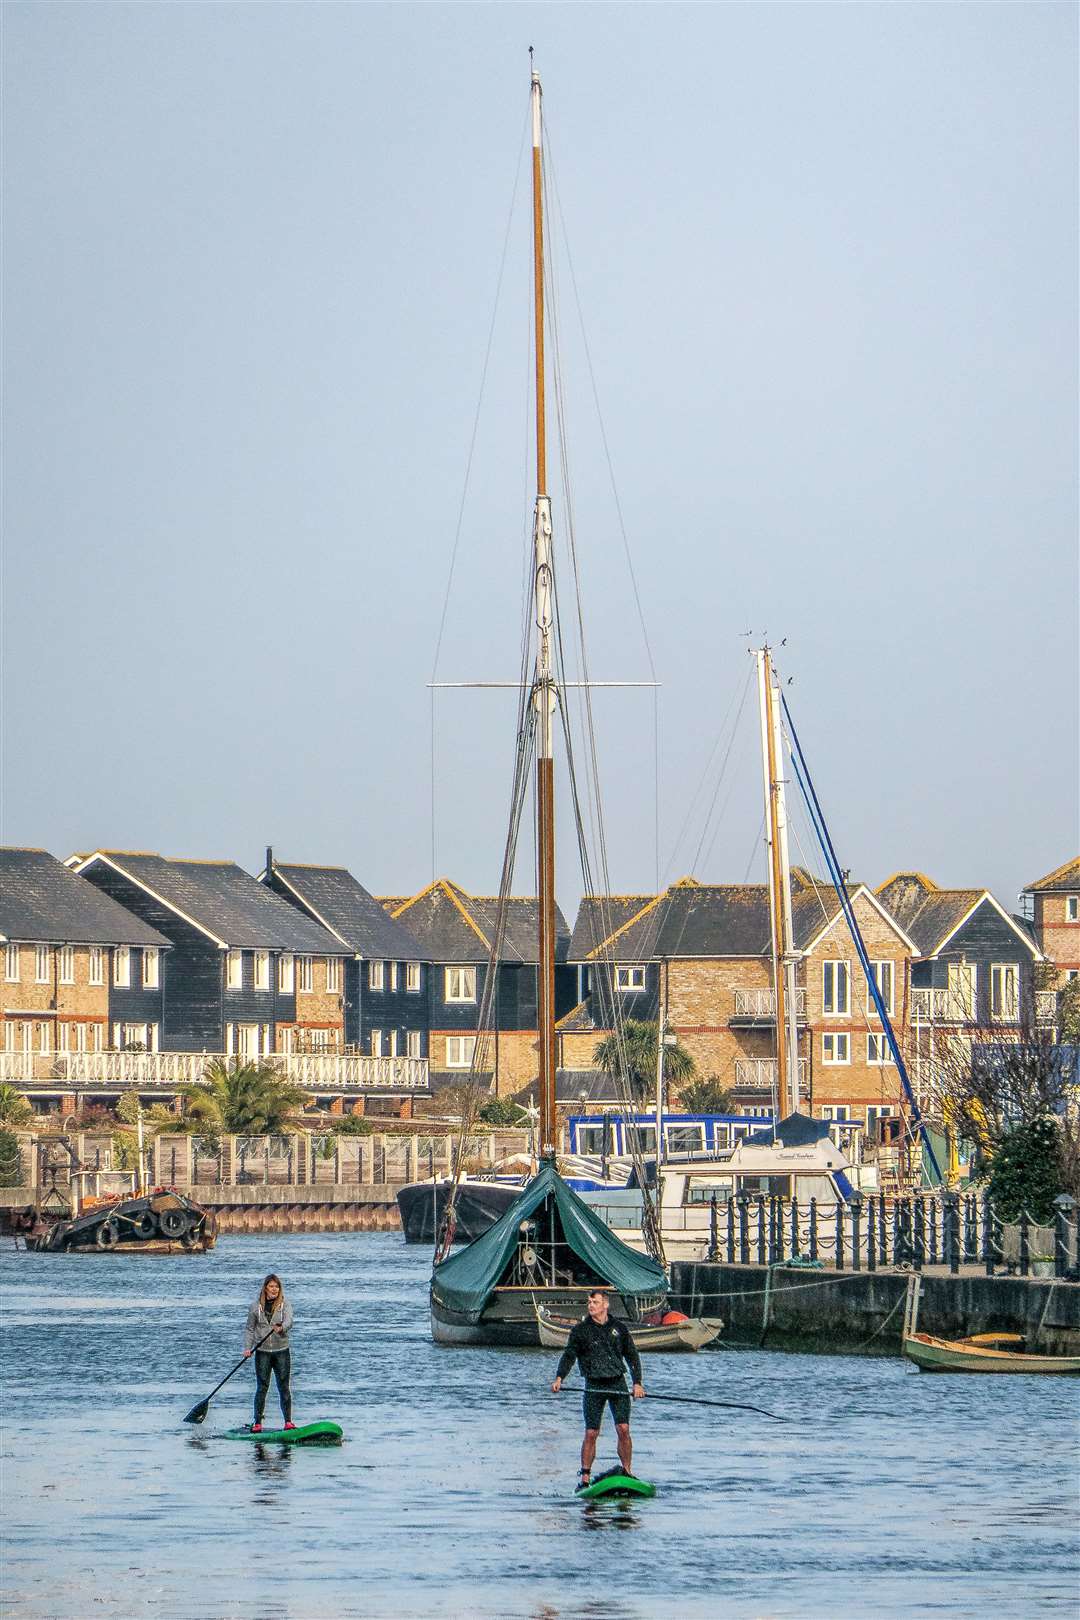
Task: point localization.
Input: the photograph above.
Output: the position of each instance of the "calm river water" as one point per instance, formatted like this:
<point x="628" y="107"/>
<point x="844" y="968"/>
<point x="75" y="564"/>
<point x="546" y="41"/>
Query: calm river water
<point x="885" y="1493"/>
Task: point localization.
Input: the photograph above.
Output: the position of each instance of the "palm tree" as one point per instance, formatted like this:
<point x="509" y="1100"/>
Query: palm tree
<point x="242" y="1099"/>
<point x="15" y="1111"/>
<point x="633" y="1052"/>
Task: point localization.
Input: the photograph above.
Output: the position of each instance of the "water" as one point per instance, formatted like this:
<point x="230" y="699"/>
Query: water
<point x="886" y="1492"/>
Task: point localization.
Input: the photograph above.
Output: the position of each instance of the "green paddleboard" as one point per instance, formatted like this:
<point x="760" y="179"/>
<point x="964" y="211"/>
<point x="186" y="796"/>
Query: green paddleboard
<point x="305" y="1434"/>
<point x="615" y="1483"/>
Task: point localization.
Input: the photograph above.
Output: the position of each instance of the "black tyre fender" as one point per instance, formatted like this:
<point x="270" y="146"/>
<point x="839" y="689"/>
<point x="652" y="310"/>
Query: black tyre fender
<point x="107" y="1234"/>
<point x="174" y="1222"/>
<point x="145" y="1225"/>
<point x="191" y="1238"/>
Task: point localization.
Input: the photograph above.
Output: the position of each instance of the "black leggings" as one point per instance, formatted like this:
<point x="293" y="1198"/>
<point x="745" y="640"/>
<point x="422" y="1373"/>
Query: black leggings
<point x="278" y="1362"/>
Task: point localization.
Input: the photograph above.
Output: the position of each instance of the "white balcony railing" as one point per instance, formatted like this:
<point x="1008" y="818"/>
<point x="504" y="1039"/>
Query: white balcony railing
<point x="1045" y="1007"/>
<point x="762" y="1004"/>
<point x="315" y="1071"/>
<point x="759" y="1074"/>
<point x="940" y="1007"/>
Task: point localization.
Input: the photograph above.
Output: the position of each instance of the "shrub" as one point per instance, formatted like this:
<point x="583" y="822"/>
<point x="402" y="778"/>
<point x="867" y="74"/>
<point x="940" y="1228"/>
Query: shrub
<point x="501" y="1111"/>
<point x="1027" y="1172"/>
<point x="352" y="1125"/>
<point x="11" y="1163"/>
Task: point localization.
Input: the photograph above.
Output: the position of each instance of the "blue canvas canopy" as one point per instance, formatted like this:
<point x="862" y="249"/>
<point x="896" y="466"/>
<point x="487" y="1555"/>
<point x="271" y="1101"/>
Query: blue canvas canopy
<point x="465" y="1282"/>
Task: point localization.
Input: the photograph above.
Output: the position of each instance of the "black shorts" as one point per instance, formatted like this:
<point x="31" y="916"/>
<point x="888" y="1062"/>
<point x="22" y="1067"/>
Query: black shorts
<point x="595" y="1399"/>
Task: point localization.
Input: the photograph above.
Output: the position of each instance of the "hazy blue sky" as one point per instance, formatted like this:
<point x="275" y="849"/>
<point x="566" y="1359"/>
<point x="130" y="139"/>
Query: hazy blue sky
<point x="827" y="263"/>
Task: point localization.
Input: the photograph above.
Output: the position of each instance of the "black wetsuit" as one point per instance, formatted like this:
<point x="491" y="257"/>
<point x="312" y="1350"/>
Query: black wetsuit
<point x="600" y="1351"/>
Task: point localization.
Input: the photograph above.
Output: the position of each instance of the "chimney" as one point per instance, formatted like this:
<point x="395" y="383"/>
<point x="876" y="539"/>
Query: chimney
<point x="269" y="860"/>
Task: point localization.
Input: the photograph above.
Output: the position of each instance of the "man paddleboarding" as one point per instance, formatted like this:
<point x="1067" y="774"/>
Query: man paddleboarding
<point x="600" y="1343"/>
<point x="270" y="1314"/>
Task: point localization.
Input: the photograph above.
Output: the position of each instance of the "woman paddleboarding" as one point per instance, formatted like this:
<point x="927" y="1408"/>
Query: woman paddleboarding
<point x="270" y="1314"/>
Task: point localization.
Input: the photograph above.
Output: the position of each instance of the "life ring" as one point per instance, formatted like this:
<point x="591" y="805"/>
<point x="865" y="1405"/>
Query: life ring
<point x="174" y="1222"/>
<point x="144" y="1225"/>
<point x="107" y="1234"/>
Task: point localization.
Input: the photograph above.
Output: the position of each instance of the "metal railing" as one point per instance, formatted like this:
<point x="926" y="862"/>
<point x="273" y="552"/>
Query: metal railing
<point x="941" y="1007"/>
<point x="759" y="1074"/>
<point x="762" y="1004"/>
<point x="1046" y="1006"/>
<point x="316" y="1071"/>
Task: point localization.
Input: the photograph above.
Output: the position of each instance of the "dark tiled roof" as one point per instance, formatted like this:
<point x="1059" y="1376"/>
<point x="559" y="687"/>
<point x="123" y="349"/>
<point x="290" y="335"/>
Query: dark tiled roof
<point x="451" y="925"/>
<point x="227" y="903"/>
<point x="1063" y="877"/>
<point x="579" y="1020"/>
<point x="571" y="1084"/>
<point x="347" y="908"/>
<point x="41" y="899"/>
<point x="696" y="919"/>
<point x="925" y="912"/>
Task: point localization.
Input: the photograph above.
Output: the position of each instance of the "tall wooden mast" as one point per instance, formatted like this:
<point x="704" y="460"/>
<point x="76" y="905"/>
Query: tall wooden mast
<point x="783" y="947"/>
<point x="543" y="684"/>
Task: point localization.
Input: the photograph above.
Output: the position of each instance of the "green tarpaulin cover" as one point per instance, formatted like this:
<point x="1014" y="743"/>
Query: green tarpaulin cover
<point x="464" y="1282"/>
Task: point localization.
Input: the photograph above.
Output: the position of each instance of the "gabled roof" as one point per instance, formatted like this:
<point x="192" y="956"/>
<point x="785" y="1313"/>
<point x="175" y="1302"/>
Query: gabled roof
<point x="43" y="901"/>
<point x="696" y="919"/>
<point x="932" y="916"/>
<point x="451" y="925"/>
<point x="222" y="901"/>
<point x="344" y="906"/>
<point x="1063" y="877"/>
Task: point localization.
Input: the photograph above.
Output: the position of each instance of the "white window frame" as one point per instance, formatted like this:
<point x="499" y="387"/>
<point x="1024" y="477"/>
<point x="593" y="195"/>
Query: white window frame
<point x="121" y="966"/>
<point x="97" y="964"/>
<point x="837" y="1113"/>
<point x="151" y="967"/>
<point x="412" y="978"/>
<point x="884" y="968"/>
<point x="234" y="970"/>
<point x="1072" y="908"/>
<point x="305" y="975"/>
<point x="42" y="964"/>
<point x="878" y="1052"/>
<point x="413" y="1044"/>
<point x="65" y="963"/>
<point x="285" y="978"/>
<point x="376" y="1043"/>
<point x="999" y="976"/>
<point x="833" y="1042"/>
<point x="629" y="981"/>
<point x="260" y="970"/>
<point x="333" y="975"/>
<point x="459" y="1051"/>
<point x="460" y="985"/>
<point x="393" y="1052"/>
<point x="841" y="979"/>
<point x="875" y="1112"/>
<point x="957" y="974"/>
<point x="63" y="1036"/>
<point x="376" y="974"/>
<point x="11" y="964"/>
<point x="393" y="975"/>
<point x="80" y="1037"/>
<point x="43" y="1039"/>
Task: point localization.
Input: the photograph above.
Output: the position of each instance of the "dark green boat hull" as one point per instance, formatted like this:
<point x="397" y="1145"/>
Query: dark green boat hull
<point x="305" y="1434"/>
<point x="615" y="1483"/>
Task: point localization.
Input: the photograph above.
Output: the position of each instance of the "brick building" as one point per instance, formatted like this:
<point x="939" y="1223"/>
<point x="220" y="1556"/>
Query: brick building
<point x="80" y="973"/>
<point x="1055" y="918"/>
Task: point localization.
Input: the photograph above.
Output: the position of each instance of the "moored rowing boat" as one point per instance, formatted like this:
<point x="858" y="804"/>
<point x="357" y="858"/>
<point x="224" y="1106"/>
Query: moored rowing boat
<point x="972" y="1356"/>
<point x="682" y="1333"/>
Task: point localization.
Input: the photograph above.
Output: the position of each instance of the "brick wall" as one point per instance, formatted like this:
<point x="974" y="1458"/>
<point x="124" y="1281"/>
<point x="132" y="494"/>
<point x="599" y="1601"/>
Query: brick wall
<point x="80" y="1002"/>
<point x="1057" y="938"/>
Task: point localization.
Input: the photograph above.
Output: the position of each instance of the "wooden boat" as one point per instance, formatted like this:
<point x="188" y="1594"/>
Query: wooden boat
<point x="684" y="1333"/>
<point x="478" y="1203"/>
<point x="160" y="1222"/>
<point x="979" y="1354"/>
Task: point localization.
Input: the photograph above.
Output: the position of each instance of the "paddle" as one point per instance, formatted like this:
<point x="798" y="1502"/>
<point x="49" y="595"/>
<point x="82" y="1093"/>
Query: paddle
<point x="696" y="1400"/>
<point x="197" y="1413"/>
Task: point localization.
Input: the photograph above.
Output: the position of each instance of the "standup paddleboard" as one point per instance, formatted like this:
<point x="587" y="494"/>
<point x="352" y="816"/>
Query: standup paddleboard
<point x="615" y="1483"/>
<point x="305" y="1434"/>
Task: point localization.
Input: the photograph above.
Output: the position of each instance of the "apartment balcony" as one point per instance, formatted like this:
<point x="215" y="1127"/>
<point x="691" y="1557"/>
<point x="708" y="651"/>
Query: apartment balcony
<point x="1045" y="1008"/>
<point x="759" y="1074"/>
<point x="940" y="1007"/>
<point x="759" y="1007"/>
<point x="167" y="1071"/>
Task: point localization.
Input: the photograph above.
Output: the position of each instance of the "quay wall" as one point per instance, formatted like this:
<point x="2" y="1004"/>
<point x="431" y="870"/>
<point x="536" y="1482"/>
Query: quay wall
<point x="861" y="1313"/>
<point x="299" y="1207"/>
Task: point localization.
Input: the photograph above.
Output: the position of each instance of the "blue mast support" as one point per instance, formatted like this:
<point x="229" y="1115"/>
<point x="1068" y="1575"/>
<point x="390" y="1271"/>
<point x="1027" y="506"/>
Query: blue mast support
<point x="817" y="821"/>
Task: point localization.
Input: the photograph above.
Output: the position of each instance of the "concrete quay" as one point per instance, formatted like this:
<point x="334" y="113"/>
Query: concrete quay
<point x="861" y="1313"/>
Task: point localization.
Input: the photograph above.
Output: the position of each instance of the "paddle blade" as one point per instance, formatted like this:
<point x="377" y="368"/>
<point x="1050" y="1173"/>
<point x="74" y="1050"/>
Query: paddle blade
<point x="197" y="1413"/>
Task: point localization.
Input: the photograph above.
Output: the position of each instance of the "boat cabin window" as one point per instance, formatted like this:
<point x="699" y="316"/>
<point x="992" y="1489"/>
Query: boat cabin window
<point x="590" y="1138"/>
<point x="766" y="1186"/>
<point x="699" y="1192"/>
<point x="684" y="1138"/>
<point x="643" y="1137"/>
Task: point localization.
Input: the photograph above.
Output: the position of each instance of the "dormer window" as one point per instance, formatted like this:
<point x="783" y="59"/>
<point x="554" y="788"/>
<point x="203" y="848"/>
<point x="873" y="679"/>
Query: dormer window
<point x="629" y="979"/>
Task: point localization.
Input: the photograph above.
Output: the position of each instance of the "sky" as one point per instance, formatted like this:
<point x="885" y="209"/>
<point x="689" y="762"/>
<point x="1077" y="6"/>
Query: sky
<point x="265" y="323"/>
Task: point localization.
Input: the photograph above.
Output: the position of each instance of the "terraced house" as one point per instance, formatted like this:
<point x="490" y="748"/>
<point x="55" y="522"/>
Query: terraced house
<point x="82" y="975"/>
<point x="1055" y="919"/>
<point x="247" y="973"/>
<point x="454" y="931"/>
<point x="386" y="981"/>
<point x="699" y="954"/>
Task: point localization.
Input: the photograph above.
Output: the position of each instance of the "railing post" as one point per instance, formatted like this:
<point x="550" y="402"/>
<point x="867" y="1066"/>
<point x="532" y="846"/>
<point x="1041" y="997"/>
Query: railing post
<point x="918" y="1258"/>
<point x="971" y="1231"/>
<point x="988" y="1235"/>
<point x="871" y="1234"/>
<point x="1025" y="1244"/>
<point x="731" y="1232"/>
<point x="772" y="1230"/>
<point x="883" y="1231"/>
<point x="935" y="1206"/>
<point x="950" y="1231"/>
<point x="839" y="1236"/>
<point x="714" y="1230"/>
<point x="856" y="1232"/>
<point x="813" y="1229"/>
<point x="744" y="1229"/>
<point x="1063" y="1208"/>
<point x="795" y="1228"/>
<point x="760" y="1229"/>
<point x="899" y="1209"/>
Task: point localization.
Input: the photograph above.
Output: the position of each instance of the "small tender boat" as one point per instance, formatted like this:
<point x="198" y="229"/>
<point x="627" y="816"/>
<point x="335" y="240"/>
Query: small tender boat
<point x="161" y="1222"/>
<point x="305" y="1434"/>
<point x="615" y="1483"/>
<point x="669" y="1331"/>
<point x="981" y="1354"/>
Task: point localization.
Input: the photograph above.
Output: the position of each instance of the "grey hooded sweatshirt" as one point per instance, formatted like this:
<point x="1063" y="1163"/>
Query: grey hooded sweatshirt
<point x="259" y="1325"/>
